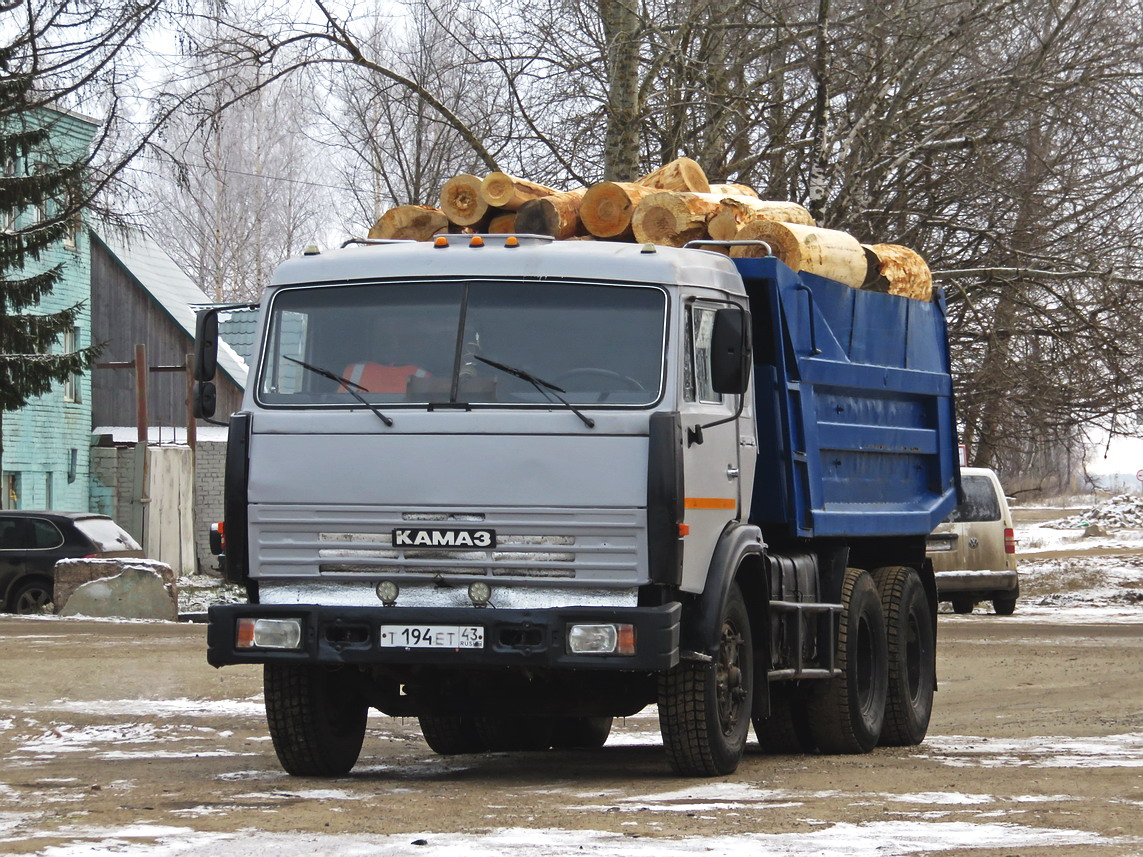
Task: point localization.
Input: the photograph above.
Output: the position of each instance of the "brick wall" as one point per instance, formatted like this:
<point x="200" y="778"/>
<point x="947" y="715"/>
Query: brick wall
<point x="209" y="471"/>
<point x="113" y="481"/>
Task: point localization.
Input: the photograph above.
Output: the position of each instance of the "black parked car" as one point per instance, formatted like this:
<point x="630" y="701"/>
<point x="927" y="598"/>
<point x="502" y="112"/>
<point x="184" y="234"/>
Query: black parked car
<point x="32" y="542"/>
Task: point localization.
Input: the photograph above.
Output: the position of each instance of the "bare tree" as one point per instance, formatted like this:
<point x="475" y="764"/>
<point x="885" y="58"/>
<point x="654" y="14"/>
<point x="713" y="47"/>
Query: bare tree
<point x="998" y="137"/>
<point x="235" y="192"/>
<point x="397" y="148"/>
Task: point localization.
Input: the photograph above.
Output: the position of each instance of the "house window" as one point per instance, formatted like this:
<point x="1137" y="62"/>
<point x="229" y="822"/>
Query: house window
<point x="11" y="496"/>
<point x="71" y="385"/>
<point x="71" y="237"/>
<point x="49" y="494"/>
<point x="8" y="215"/>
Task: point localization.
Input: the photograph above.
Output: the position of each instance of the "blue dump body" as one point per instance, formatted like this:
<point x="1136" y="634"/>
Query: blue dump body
<point x="856" y="424"/>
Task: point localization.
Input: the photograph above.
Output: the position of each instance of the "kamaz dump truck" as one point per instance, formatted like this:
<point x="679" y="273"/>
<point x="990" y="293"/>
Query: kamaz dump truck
<point x="516" y="487"/>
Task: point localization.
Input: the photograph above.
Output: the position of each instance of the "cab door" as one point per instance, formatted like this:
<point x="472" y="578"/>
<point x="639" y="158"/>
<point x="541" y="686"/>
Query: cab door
<point x="712" y="477"/>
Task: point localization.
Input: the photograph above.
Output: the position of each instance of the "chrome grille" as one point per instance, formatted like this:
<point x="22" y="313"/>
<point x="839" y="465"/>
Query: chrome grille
<point x="605" y="545"/>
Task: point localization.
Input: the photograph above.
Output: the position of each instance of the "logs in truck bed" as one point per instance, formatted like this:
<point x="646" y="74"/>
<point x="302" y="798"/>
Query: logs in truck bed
<point x="671" y="206"/>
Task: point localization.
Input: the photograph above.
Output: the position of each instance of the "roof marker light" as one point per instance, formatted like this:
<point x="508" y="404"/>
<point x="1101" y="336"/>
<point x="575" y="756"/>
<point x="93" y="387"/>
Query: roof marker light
<point x="441" y="241"/>
<point x="511" y="241"/>
<point x="648" y="248"/>
<point x="476" y="241"/>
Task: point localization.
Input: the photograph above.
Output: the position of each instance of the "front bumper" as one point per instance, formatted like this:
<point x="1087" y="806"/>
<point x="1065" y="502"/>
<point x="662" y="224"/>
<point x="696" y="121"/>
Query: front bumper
<point x="950" y="582"/>
<point x="512" y="638"/>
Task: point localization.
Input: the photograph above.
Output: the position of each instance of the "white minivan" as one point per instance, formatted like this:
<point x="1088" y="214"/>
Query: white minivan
<point x="974" y="549"/>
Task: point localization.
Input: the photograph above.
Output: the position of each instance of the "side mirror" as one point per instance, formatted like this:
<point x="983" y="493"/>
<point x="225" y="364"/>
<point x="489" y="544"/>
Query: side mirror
<point x="730" y="352"/>
<point x="205" y="399"/>
<point x="206" y="345"/>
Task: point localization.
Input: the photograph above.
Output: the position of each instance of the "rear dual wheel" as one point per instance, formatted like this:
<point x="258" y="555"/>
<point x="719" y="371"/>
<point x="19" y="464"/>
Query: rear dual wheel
<point x="846" y="713"/>
<point x="911" y="645"/>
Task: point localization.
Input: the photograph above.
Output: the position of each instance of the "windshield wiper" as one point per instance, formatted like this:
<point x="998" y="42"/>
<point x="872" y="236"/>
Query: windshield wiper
<point x="345" y="382"/>
<point x="541" y="385"/>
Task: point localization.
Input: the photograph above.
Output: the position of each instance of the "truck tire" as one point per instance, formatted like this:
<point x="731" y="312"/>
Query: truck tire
<point x="704" y="708"/>
<point x="962" y="605"/>
<point x="581" y="733"/>
<point x="912" y="656"/>
<point x="786" y="730"/>
<point x="503" y="734"/>
<point x="316" y="718"/>
<point x="450" y="734"/>
<point x="846" y="713"/>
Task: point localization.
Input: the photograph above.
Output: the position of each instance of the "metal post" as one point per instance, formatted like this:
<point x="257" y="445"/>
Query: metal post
<point x="141" y="392"/>
<point x="192" y="432"/>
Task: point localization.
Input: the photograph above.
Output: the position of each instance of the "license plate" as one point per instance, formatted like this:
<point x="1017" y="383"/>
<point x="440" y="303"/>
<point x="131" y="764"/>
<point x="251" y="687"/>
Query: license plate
<point x="432" y="637"/>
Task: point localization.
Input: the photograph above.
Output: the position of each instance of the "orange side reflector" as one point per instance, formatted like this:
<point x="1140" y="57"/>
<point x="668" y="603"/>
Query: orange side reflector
<point x="710" y="503"/>
<point x="245" y="634"/>
<point x="625" y="645"/>
<point x="684" y="530"/>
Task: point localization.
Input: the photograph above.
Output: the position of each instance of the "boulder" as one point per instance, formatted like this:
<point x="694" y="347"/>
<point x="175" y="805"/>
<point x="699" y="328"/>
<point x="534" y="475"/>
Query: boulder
<point x="120" y="588"/>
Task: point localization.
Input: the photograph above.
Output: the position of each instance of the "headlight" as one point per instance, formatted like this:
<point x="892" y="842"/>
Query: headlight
<point x="269" y="633"/>
<point x="614" y="639"/>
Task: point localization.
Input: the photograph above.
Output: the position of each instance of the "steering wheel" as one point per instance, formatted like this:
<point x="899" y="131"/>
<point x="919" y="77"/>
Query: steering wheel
<point x="597" y="372"/>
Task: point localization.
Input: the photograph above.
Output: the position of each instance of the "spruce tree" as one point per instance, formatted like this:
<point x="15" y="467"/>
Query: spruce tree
<point x="41" y="197"/>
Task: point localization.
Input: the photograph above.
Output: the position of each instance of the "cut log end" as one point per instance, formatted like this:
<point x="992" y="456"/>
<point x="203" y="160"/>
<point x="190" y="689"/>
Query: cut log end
<point x="608" y="207"/>
<point x="672" y="218"/>
<point x="461" y="200"/>
<point x="501" y="190"/>
<point x="899" y="271"/>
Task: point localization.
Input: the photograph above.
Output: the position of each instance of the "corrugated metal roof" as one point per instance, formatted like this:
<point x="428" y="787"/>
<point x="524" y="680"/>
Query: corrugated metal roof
<point x="159" y="276"/>
<point x="237" y="328"/>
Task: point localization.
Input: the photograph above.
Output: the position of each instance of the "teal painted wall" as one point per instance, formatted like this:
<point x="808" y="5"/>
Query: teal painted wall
<point x="47" y="443"/>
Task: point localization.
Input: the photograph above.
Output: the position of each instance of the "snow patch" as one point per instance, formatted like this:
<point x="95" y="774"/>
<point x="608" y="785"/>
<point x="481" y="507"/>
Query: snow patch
<point x="875" y="839"/>
<point x="1109" y="751"/>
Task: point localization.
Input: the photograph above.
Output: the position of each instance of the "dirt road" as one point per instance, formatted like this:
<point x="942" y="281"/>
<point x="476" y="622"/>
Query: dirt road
<point x="118" y="738"/>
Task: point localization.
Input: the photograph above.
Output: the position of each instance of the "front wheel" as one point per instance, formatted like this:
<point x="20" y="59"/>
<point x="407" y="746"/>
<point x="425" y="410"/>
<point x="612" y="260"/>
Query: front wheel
<point x="912" y="656"/>
<point x="847" y="712"/>
<point x="704" y="708"/>
<point x="316" y="718"/>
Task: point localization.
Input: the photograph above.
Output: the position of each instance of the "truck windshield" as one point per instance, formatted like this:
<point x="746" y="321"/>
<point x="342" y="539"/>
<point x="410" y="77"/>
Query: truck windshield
<point x="419" y="342"/>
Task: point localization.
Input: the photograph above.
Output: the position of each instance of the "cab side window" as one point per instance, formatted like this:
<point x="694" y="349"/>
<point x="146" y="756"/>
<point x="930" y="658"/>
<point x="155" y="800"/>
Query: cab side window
<point x="696" y="367"/>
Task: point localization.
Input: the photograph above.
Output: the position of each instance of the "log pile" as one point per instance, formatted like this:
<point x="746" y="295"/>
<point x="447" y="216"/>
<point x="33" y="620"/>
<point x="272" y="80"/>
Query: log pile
<point x="671" y="206"/>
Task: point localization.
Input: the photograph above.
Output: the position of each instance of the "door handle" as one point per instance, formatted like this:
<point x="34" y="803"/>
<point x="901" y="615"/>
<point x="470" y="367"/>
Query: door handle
<point x="732" y="472"/>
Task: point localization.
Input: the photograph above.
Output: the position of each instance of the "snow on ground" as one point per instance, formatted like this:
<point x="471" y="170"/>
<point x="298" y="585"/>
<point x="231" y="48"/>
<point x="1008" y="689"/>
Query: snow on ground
<point x="875" y="839"/>
<point x="1071" y="577"/>
<point x="1107" y="751"/>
